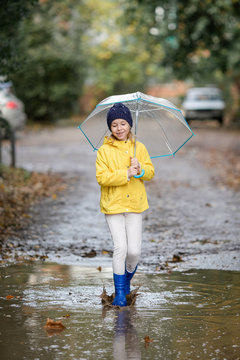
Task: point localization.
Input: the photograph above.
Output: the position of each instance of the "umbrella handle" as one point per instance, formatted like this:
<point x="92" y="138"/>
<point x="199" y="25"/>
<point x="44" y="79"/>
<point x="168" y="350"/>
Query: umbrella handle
<point x="140" y="175"/>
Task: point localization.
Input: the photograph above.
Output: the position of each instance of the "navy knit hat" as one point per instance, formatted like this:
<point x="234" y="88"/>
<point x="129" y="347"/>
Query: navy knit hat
<point x="119" y="111"/>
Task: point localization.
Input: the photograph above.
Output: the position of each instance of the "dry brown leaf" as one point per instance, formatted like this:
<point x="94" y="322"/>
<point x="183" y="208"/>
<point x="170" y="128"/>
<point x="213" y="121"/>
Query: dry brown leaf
<point x="90" y="254"/>
<point x="9" y="297"/>
<point x="147" y="340"/>
<point x="43" y="257"/>
<point x="51" y="324"/>
<point x="176" y="258"/>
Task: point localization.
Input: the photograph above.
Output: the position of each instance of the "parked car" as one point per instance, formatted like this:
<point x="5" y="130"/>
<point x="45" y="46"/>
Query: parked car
<point x="204" y="103"/>
<point x="11" y="108"/>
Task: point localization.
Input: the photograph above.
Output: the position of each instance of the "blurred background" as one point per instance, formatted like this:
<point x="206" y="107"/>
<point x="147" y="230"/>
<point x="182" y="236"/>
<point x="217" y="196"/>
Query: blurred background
<point x="60" y="58"/>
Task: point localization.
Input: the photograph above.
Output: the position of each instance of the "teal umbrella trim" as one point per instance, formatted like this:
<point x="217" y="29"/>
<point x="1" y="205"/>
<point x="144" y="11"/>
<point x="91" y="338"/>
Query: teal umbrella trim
<point x="94" y="148"/>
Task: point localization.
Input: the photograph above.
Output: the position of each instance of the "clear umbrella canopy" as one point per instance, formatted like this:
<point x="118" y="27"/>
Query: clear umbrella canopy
<point x="157" y="123"/>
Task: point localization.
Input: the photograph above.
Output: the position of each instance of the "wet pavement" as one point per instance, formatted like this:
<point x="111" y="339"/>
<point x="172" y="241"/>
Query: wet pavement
<point x="192" y="213"/>
<point x="189" y="269"/>
<point x="186" y="315"/>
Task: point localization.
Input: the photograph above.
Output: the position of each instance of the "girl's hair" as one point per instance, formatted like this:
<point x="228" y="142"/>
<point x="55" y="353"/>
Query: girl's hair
<point x="130" y="136"/>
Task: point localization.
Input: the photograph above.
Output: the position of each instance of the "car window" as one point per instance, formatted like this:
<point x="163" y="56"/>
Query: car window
<point x="204" y="96"/>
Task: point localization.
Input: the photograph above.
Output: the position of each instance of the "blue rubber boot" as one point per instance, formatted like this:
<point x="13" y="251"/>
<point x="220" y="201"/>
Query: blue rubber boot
<point x="129" y="277"/>
<point x="120" y="297"/>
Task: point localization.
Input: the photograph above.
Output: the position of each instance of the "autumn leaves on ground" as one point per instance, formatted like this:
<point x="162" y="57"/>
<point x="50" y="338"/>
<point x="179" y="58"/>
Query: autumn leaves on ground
<point x="19" y="190"/>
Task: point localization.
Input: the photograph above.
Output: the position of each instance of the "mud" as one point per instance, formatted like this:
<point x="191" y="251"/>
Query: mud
<point x="193" y="214"/>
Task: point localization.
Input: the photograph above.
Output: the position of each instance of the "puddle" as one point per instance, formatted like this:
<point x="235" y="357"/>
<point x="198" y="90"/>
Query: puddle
<point x="189" y="315"/>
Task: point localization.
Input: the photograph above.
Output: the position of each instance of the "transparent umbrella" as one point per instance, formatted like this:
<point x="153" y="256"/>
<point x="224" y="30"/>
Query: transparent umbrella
<point x="157" y="123"/>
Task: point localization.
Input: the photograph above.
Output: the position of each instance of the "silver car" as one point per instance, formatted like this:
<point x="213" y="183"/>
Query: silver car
<point x="11" y="108"/>
<point x="204" y="103"/>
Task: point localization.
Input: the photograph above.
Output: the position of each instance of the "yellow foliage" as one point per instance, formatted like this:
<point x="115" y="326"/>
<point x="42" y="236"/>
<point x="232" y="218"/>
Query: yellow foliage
<point x="104" y="55"/>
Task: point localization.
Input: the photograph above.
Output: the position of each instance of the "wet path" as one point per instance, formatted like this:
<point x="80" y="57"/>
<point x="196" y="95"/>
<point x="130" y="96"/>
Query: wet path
<point x="189" y="315"/>
<point x="190" y="309"/>
<point x="190" y="213"/>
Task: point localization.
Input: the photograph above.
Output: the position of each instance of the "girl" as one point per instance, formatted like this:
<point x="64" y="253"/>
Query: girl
<point x="123" y="197"/>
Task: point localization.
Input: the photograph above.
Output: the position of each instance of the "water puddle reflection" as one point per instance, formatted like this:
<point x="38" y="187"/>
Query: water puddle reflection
<point x="190" y="315"/>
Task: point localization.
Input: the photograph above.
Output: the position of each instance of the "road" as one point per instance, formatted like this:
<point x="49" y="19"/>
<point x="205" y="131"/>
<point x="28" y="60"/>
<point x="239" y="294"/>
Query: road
<point x="194" y="209"/>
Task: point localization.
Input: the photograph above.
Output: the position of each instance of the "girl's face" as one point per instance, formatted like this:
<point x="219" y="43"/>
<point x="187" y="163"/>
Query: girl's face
<point x="120" y="129"/>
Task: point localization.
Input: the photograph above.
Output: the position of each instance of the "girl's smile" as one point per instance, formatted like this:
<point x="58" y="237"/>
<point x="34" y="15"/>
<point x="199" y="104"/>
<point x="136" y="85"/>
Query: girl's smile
<point x="120" y="129"/>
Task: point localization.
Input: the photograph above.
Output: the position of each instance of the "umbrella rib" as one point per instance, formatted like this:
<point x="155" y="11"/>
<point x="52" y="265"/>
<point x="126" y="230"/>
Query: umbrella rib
<point x="79" y="127"/>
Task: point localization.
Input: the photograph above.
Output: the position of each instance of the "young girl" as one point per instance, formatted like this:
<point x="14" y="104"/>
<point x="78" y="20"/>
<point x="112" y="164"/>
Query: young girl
<point x="123" y="197"/>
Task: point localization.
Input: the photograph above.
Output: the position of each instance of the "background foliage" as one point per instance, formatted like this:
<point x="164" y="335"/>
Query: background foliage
<point x="201" y="40"/>
<point x="69" y="53"/>
<point x="11" y="15"/>
<point x="53" y="74"/>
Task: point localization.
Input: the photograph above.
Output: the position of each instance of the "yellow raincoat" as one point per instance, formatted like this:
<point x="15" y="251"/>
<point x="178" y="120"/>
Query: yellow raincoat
<point x="118" y="194"/>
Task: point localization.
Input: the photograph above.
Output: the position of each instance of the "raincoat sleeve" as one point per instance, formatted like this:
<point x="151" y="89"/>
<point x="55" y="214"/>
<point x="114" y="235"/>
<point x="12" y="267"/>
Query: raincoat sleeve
<point x="146" y="164"/>
<point x="107" y="177"/>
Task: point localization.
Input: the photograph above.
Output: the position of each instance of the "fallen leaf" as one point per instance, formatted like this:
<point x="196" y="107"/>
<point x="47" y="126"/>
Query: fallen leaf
<point x="176" y="258"/>
<point x="9" y="297"/>
<point x="147" y="340"/>
<point x="43" y="257"/>
<point x="105" y="252"/>
<point x="66" y="316"/>
<point x="51" y="324"/>
<point x="90" y="254"/>
<point x="99" y="268"/>
<point x="27" y="216"/>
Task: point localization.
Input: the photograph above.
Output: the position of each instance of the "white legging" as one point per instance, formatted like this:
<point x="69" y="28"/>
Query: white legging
<point x="126" y="231"/>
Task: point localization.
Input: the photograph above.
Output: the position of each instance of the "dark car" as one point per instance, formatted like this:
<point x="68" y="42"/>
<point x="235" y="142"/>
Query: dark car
<point x="204" y="103"/>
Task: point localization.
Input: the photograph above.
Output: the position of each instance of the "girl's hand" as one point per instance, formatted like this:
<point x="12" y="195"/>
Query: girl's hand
<point x="132" y="171"/>
<point x="135" y="163"/>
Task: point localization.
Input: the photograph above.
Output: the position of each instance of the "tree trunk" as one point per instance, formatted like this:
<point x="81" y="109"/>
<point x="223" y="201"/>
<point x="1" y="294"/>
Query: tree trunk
<point x="233" y="112"/>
